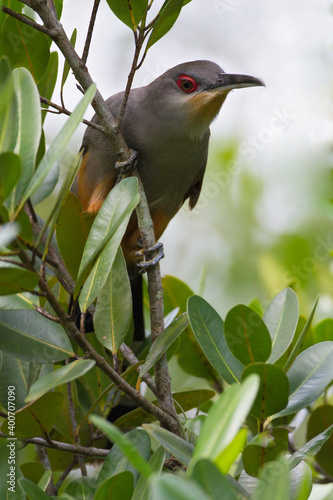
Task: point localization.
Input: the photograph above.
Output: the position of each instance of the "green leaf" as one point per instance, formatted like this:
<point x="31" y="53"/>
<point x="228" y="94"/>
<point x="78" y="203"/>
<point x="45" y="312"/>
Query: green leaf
<point x="229" y="455"/>
<point x="175" y="445"/>
<point x="300" y="340"/>
<point x="247" y="335"/>
<point x="166" y="19"/>
<point x="163" y="342"/>
<point x="184" y="401"/>
<point x="320" y="418"/>
<point x="17" y="372"/>
<point x="58" y="7"/>
<point x="9" y="116"/>
<point x="48" y="81"/>
<point x="33" y="491"/>
<point x="273" y="391"/>
<point x="72" y="231"/>
<point x="274" y="482"/>
<point x="141" y="491"/>
<point x="121" y="9"/>
<point x="47" y="186"/>
<point x="113" y="315"/>
<point x="59" y="144"/>
<point x="118" y="487"/>
<point x="30" y="336"/>
<point x="309" y="376"/>
<point x="208" y="330"/>
<point x="124" y="444"/>
<point x="117" y="461"/>
<point x="310" y="448"/>
<point x="208" y="476"/>
<point x="25" y="46"/>
<point x="10" y="171"/>
<point x="321" y="332"/>
<point x="225" y="418"/>
<point x="104" y="239"/>
<point x="58" y="377"/>
<point x="14" y="279"/>
<point x="28" y="137"/>
<point x="18" y="301"/>
<point x="281" y="319"/>
<point x="8" y="233"/>
<point x="266" y="447"/>
<point x="36" y="418"/>
<point x="172" y="487"/>
<point x="66" y="65"/>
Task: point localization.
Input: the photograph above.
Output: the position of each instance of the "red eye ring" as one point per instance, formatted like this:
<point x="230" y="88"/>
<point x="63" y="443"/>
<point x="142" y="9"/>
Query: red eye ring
<point x="187" y="84"/>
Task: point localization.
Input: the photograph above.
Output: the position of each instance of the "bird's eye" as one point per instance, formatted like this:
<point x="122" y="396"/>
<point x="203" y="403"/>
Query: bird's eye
<point x="187" y="84"/>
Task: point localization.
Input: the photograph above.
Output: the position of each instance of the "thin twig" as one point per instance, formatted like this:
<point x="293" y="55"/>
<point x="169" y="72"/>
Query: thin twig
<point x="47" y="315"/>
<point x="133" y="360"/>
<point x="25" y="20"/>
<point x="65" y="474"/>
<point x="90" y="31"/>
<point x="44" y="460"/>
<point x="72" y="415"/>
<point x="61" y="109"/>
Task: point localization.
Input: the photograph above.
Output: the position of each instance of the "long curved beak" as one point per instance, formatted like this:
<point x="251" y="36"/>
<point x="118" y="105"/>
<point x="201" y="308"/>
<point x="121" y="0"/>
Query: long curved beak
<point x="229" y="82"/>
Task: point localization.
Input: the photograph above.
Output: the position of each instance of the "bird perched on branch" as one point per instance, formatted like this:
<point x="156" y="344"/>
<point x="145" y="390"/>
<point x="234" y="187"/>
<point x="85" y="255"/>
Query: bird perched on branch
<point x="167" y="123"/>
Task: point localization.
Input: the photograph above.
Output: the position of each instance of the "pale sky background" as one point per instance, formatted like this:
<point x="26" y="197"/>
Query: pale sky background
<point x="289" y="44"/>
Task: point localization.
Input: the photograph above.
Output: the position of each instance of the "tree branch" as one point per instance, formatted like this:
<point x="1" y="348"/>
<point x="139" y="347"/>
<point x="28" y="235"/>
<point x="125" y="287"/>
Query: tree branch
<point x="90" y="31"/>
<point x="65" y="111"/>
<point x="25" y="20"/>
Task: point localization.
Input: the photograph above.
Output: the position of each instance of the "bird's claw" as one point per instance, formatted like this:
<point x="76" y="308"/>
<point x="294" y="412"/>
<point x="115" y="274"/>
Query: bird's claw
<point x="144" y="265"/>
<point x="124" y="167"/>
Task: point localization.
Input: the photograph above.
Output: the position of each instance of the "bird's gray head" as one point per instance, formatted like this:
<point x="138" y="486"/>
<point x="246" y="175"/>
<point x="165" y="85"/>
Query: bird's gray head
<point x="191" y="94"/>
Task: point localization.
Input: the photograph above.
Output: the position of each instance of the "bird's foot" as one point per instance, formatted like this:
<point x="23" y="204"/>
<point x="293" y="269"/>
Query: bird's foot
<point x="125" y="167"/>
<point x="144" y="265"/>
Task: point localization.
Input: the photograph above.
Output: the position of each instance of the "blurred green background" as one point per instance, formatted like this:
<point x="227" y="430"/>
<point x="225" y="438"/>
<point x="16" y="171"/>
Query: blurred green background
<point x="264" y="220"/>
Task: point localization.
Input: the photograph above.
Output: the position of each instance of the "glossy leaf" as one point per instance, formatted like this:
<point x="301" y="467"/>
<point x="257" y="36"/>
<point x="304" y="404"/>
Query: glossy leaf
<point x="266" y="447"/>
<point x="30" y="336"/>
<point x="320" y="418"/>
<point x="184" y="401"/>
<point x="229" y="455"/>
<point x="175" y="445"/>
<point x="208" y="330"/>
<point x="61" y="376"/>
<point x="273" y="391"/>
<point x="47" y="186"/>
<point x="9" y="115"/>
<point x="37" y="418"/>
<point x="48" y="81"/>
<point x="281" y="319"/>
<point x="300" y="340"/>
<point x="208" y="476"/>
<point x="25" y="46"/>
<point x="59" y="144"/>
<point x="104" y="239"/>
<point x="17" y="372"/>
<point x="309" y="376"/>
<point x="163" y="342"/>
<point x="310" y="448"/>
<point x="113" y="314"/>
<point x="121" y="9"/>
<point x="72" y="231"/>
<point x="142" y="491"/>
<point x="8" y="233"/>
<point x="28" y="137"/>
<point x="33" y="491"/>
<point x="14" y="279"/>
<point x="18" y="301"/>
<point x="225" y="418"/>
<point x="133" y="455"/>
<point x="117" y="461"/>
<point x="10" y="171"/>
<point x="118" y="487"/>
<point x="166" y="19"/>
<point x="247" y="335"/>
<point x="274" y="482"/>
<point x="172" y="487"/>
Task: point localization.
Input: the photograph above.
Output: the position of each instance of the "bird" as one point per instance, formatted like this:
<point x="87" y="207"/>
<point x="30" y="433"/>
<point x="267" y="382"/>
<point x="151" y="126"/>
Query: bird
<point x="167" y="122"/>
